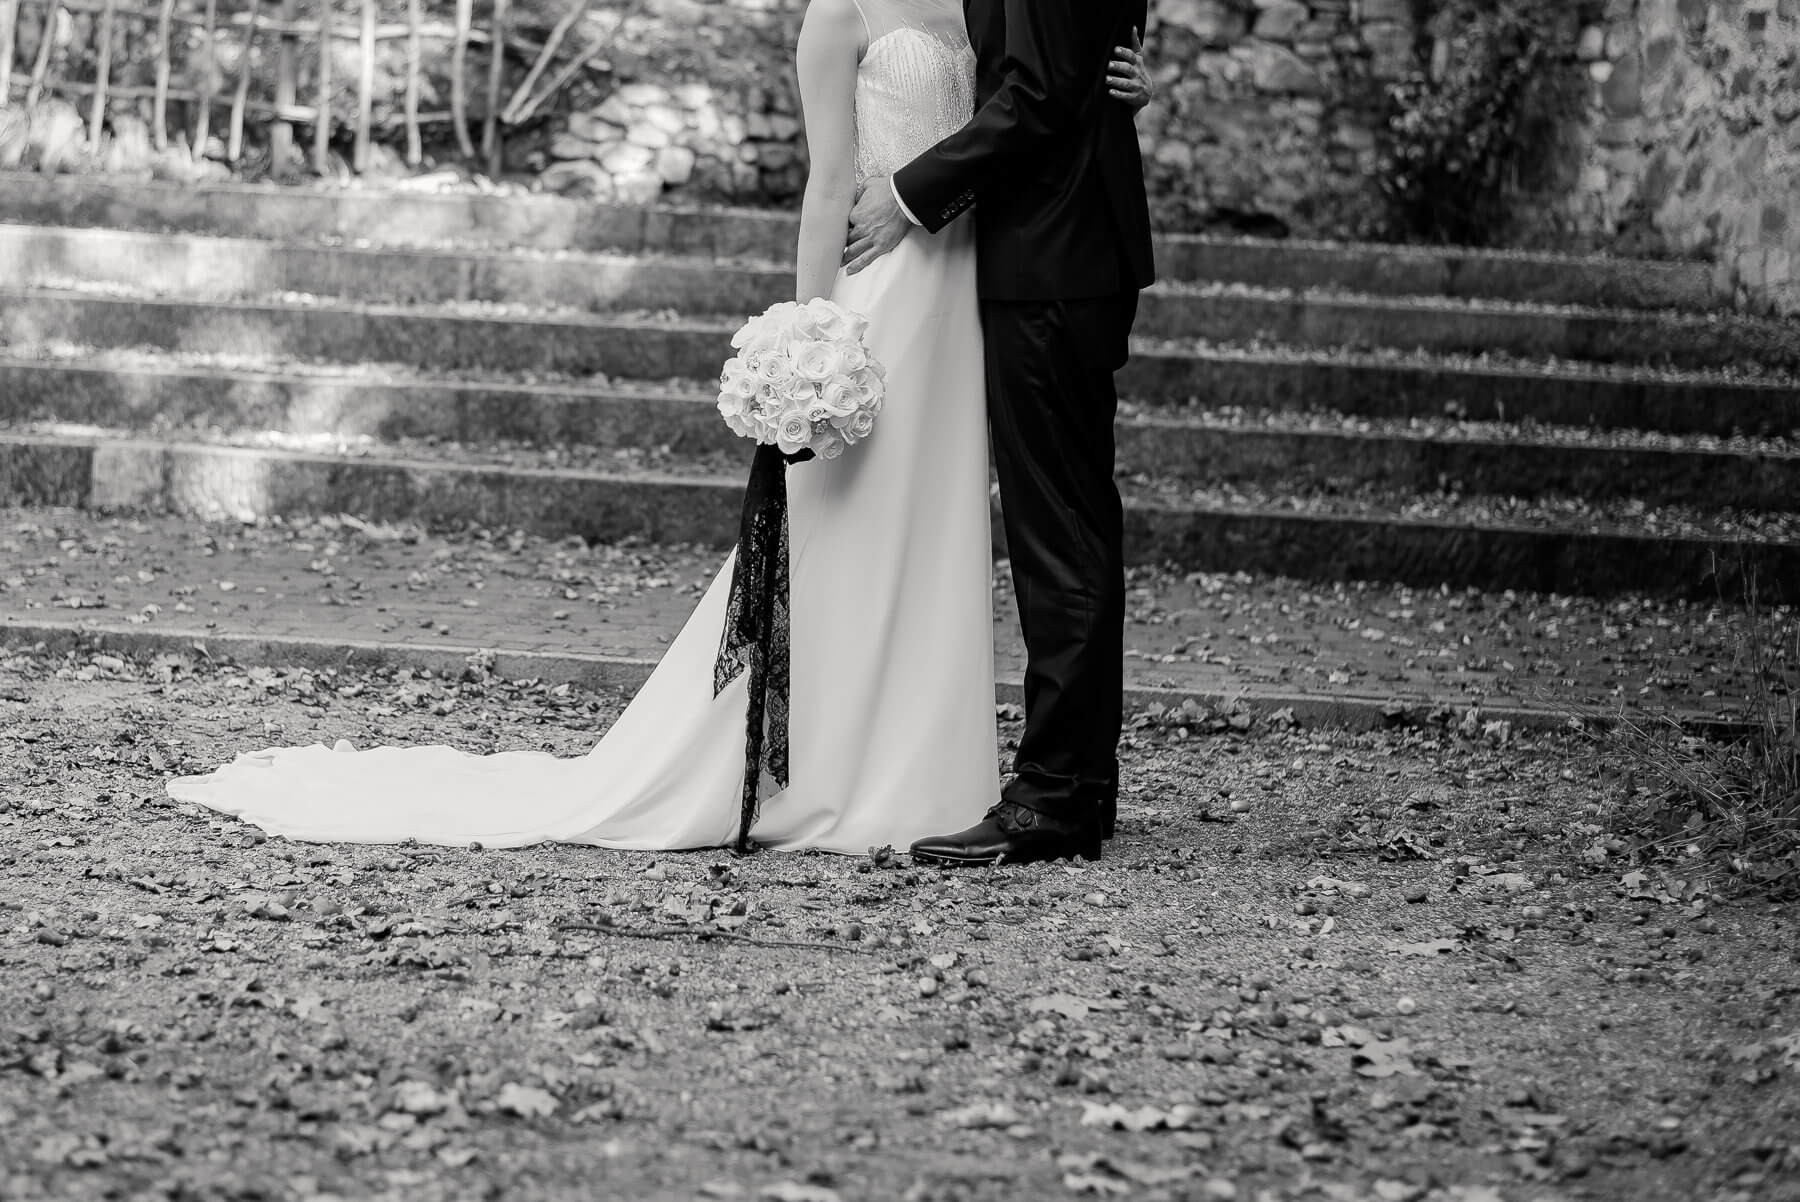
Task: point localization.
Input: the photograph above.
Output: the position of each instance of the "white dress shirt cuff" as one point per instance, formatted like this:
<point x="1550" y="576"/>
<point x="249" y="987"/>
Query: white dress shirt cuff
<point x="895" y="189"/>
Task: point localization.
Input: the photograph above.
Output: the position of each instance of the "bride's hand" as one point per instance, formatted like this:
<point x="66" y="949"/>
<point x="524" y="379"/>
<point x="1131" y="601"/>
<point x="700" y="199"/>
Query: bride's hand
<point x="1127" y="78"/>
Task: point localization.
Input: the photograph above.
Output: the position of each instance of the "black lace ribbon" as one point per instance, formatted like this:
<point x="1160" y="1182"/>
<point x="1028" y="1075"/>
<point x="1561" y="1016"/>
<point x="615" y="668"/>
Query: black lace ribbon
<point x="756" y="628"/>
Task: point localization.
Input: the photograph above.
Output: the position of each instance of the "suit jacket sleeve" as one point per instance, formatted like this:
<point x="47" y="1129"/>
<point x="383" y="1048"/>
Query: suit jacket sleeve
<point x="1053" y="60"/>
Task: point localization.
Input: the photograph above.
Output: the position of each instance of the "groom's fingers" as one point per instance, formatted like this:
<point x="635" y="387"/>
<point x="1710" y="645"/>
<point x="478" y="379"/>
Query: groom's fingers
<point x="865" y="251"/>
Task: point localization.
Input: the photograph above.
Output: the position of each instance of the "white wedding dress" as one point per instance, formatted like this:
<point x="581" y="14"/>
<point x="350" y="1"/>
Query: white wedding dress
<point x="891" y="729"/>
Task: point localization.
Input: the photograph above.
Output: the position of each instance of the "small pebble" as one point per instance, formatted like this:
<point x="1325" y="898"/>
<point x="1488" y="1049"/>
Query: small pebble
<point x="1417" y="894"/>
<point x="1406" y="1006"/>
<point x="1239" y="806"/>
<point x="928" y="986"/>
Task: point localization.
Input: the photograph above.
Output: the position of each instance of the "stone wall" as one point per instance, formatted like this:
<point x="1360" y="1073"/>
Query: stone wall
<point x="1690" y="140"/>
<point x="1263" y="120"/>
<point x="705" y="108"/>
<point x="1266" y="119"/>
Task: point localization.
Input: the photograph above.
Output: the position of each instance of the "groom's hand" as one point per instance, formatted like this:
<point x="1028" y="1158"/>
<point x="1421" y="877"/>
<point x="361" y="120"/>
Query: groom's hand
<point x="877" y="225"/>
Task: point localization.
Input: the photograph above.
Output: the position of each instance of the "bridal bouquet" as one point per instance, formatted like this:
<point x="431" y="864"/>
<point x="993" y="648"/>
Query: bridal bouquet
<point x="803" y="379"/>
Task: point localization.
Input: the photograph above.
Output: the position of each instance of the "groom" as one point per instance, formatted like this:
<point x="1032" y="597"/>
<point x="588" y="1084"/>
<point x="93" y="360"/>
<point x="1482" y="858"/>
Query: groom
<point x="1051" y="165"/>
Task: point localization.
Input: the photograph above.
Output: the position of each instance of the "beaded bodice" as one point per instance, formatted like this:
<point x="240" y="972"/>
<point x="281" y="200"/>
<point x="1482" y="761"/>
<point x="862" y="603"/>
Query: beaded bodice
<point x="916" y="82"/>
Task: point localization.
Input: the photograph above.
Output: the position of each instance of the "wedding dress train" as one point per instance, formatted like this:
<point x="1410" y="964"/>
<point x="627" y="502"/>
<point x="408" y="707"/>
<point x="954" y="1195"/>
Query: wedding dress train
<point x="891" y="727"/>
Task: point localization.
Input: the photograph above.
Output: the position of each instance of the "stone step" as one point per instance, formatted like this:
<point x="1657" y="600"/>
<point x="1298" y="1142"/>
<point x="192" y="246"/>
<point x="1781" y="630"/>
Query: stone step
<point x="491" y="340"/>
<point x="325" y="592"/>
<point x="186" y="267"/>
<point x="521" y="220"/>
<point x="593" y="426"/>
<point x="1241" y="313"/>
<point x="1566" y="547"/>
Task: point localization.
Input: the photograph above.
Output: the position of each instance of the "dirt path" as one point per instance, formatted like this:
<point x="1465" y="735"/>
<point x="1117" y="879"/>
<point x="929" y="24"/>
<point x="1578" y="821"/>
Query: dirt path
<point x="1489" y="1005"/>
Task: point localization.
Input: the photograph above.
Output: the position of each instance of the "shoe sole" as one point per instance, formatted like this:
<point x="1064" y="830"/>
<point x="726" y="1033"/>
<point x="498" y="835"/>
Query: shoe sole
<point x="1081" y="853"/>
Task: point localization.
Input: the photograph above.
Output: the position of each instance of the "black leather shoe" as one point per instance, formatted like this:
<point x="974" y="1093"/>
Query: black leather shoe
<point x="1015" y="834"/>
<point x="1109" y="817"/>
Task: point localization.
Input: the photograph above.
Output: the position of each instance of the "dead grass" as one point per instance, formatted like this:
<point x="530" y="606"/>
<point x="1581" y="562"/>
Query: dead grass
<point x="1730" y="804"/>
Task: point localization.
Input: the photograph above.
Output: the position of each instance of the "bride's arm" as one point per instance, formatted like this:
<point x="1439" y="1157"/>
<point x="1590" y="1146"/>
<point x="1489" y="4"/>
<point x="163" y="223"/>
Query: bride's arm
<point x="831" y="37"/>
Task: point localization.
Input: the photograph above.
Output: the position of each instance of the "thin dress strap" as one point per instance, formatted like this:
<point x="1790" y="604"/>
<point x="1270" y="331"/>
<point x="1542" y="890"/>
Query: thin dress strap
<point x="868" y="26"/>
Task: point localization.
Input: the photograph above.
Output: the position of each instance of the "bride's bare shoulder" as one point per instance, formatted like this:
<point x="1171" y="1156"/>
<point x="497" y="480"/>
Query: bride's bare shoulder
<point x="839" y="17"/>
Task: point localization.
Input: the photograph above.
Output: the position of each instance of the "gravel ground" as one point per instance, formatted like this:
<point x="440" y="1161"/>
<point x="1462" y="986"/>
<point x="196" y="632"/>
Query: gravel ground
<point x="1313" y="966"/>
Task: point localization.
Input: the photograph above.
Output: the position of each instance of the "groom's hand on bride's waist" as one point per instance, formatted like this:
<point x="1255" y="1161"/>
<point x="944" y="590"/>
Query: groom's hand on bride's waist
<point x="878" y="223"/>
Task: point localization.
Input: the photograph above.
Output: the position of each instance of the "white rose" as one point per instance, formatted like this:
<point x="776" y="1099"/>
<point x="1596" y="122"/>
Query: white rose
<point x="771" y="367"/>
<point x="737" y="379"/>
<point x="829" y="319"/>
<point x="818" y="361"/>
<point x="859" y="325"/>
<point x="804" y="323"/>
<point x="741" y="425"/>
<point x="871" y="392"/>
<point x="769" y="401"/>
<point x="830" y="447"/>
<point x="852" y="357"/>
<point x="800" y="395"/>
<point x="793" y="435"/>
<point x="841" y="397"/>
<point x="861" y="425"/>
<point x="786" y="324"/>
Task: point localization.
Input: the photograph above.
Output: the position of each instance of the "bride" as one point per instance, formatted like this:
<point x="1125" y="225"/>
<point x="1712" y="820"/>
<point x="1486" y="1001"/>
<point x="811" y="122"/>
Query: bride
<point x="891" y="679"/>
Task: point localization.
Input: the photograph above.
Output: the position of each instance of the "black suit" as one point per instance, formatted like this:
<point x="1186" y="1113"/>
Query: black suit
<point x="1050" y="162"/>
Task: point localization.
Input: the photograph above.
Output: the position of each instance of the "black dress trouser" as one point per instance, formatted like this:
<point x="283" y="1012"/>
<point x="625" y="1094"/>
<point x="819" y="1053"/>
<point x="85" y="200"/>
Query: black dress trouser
<point x="1051" y="404"/>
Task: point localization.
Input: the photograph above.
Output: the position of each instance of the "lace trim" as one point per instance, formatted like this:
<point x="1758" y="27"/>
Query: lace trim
<point x="756" y="638"/>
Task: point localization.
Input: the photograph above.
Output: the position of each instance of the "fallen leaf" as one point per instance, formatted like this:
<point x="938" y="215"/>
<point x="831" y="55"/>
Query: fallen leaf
<point x="1433" y="947"/>
<point x="980" y="1116"/>
<point x="526" y="1101"/>
<point x="1070" y="1006"/>
<point x="1384" y="1058"/>
<point x="1144" y="1118"/>
<point x="794" y="1191"/>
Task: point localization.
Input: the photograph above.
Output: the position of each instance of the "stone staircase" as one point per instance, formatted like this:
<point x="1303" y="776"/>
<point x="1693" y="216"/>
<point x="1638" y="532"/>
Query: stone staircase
<point x="1432" y="418"/>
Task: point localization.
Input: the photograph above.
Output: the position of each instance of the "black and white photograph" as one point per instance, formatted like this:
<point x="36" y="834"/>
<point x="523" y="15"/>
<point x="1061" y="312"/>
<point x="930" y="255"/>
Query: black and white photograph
<point x="915" y="600"/>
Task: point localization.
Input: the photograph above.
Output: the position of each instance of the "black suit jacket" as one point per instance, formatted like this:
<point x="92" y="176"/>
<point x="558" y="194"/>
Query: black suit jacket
<point x="1049" y="160"/>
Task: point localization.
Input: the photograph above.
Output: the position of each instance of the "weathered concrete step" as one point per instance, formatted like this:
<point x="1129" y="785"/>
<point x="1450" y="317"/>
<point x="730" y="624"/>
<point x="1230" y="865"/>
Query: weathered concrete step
<point x="186" y="267"/>
<point x="398" y="218"/>
<point x="1515" y="462"/>
<point x="1344" y="541"/>
<point x="328" y="590"/>
<point x="1479" y="388"/>
<point x="471" y="340"/>
<point x="1363" y="322"/>
<point x="190" y="267"/>
<point x="594" y="422"/>
<point x="325" y="650"/>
